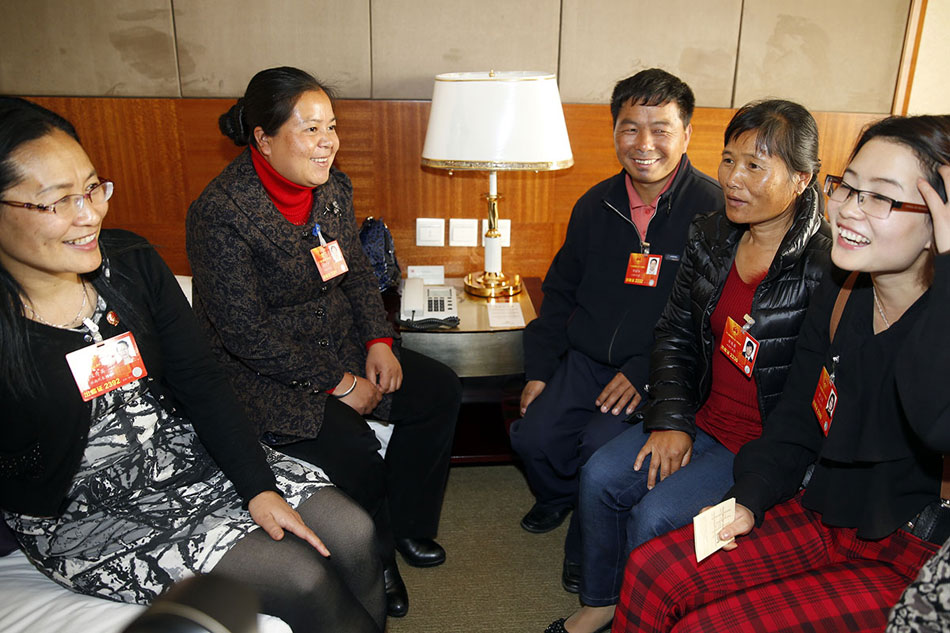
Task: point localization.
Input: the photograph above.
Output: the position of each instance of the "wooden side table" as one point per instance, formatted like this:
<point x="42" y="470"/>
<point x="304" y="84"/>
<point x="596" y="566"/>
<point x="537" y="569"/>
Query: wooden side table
<point x="474" y="348"/>
<point x="490" y="362"/>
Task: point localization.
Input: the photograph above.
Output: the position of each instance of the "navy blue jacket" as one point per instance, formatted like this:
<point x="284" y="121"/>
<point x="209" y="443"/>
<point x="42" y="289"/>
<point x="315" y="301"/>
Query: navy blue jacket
<point x="587" y="306"/>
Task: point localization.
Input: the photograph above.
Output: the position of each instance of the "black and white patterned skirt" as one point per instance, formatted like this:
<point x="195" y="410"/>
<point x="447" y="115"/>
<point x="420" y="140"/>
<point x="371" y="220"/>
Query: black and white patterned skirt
<point x="148" y="506"/>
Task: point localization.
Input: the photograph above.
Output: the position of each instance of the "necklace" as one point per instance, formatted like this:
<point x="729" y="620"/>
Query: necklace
<point x="880" y="310"/>
<point x="82" y="308"/>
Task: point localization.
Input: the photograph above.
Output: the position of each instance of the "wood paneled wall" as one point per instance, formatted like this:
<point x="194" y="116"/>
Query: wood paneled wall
<point x="162" y="152"/>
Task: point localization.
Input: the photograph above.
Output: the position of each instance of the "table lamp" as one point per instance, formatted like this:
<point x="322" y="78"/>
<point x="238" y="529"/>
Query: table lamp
<point x="496" y="121"/>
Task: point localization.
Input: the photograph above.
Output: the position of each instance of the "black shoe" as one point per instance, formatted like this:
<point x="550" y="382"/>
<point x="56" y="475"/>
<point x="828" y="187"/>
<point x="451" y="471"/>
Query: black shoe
<point x="420" y="552"/>
<point x="558" y="627"/>
<point x="541" y="519"/>
<point x="571" y="577"/>
<point x="397" y="598"/>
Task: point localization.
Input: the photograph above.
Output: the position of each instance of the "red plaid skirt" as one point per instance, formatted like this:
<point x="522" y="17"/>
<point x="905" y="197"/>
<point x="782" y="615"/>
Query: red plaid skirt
<point x="791" y="574"/>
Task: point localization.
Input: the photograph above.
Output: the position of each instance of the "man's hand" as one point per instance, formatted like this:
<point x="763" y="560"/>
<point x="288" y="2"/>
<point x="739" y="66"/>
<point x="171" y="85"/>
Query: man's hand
<point x="618" y="393"/>
<point x="671" y="450"/>
<point x="383" y="368"/>
<point x="531" y="391"/>
<point x="271" y="512"/>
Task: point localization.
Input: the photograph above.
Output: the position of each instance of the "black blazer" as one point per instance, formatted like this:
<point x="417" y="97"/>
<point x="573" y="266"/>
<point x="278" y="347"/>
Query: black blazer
<point x="283" y="335"/>
<point x="879" y="465"/>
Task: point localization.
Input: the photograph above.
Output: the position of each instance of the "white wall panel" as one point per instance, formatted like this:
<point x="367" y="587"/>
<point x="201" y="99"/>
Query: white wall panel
<point x="414" y="40"/>
<point x="930" y="92"/>
<point x="840" y="55"/>
<point x="222" y="43"/>
<point x="604" y="41"/>
<point x="88" y="48"/>
<point x="834" y="55"/>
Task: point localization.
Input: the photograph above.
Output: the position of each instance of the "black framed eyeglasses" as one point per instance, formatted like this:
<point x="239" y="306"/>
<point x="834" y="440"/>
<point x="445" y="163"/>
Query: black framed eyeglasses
<point x="872" y="204"/>
<point x="73" y="203"/>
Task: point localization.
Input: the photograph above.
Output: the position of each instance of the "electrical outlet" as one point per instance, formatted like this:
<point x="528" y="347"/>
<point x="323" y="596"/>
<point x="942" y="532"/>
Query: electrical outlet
<point x="463" y="232"/>
<point x="430" y="232"/>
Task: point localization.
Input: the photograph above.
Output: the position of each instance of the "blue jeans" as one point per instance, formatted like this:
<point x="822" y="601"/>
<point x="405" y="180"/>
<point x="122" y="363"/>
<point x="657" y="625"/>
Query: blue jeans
<point x="618" y="513"/>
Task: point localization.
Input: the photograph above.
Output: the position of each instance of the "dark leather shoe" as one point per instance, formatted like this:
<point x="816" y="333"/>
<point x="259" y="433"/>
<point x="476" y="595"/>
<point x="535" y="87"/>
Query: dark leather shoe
<point x="541" y="519"/>
<point x="571" y="576"/>
<point x="420" y="552"/>
<point x="558" y="627"/>
<point x="397" y="598"/>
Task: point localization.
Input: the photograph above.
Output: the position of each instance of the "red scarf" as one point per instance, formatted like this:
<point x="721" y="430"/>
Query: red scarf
<point x="292" y="200"/>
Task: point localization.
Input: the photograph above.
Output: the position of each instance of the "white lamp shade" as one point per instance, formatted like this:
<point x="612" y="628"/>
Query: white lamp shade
<point x="497" y="121"/>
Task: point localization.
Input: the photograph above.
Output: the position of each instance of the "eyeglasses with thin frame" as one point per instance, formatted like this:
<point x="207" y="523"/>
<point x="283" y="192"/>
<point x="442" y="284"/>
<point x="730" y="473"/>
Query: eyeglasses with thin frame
<point x="72" y="204"/>
<point x="872" y="204"/>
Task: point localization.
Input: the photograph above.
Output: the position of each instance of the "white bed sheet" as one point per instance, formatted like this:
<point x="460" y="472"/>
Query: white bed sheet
<point x="32" y="603"/>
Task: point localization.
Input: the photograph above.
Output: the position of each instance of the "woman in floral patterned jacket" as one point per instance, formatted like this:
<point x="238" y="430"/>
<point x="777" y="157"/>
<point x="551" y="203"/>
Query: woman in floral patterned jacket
<point x="307" y="345"/>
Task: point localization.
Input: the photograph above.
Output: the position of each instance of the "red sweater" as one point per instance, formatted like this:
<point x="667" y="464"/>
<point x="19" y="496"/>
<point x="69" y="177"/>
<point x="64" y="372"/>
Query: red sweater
<point x="731" y="412"/>
<point x="292" y="200"/>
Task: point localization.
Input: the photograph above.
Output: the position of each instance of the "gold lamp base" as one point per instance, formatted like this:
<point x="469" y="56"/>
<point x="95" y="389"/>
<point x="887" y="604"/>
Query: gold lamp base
<point x="482" y="284"/>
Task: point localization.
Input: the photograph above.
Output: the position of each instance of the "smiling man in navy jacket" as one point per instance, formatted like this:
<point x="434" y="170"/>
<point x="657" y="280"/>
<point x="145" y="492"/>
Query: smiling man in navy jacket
<point x="587" y="354"/>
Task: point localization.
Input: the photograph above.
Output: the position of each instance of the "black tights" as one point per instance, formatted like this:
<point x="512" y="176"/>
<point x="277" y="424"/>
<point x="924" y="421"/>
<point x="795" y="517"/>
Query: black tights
<point x="342" y="594"/>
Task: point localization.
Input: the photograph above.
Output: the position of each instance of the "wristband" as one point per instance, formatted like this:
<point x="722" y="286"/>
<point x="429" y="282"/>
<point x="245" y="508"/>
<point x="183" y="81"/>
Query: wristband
<point x="348" y="391"/>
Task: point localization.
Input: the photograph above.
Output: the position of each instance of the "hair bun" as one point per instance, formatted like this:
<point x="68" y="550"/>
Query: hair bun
<point x="232" y="124"/>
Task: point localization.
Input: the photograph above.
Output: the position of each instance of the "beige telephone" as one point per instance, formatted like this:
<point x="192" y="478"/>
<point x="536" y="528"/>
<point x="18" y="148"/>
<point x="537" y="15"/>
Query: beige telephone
<point x="428" y="307"/>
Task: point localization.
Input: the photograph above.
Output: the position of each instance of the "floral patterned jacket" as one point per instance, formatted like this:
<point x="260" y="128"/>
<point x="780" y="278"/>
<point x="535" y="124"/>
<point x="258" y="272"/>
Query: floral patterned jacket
<point x="284" y="336"/>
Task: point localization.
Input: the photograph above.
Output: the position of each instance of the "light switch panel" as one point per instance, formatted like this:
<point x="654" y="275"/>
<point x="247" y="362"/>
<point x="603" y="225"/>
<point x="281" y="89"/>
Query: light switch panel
<point x="504" y="226"/>
<point x="430" y="232"/>
<point x="463" y="232"/>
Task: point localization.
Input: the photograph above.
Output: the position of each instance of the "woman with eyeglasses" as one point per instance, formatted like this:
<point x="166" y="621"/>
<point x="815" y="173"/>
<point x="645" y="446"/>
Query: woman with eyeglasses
<point x="836" y="556"/>
<point x="126" y="462"/>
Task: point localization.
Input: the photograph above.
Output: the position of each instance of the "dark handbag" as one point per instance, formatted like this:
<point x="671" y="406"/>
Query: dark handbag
<point x="378" y="245"/>
<point x="933" y="522"/>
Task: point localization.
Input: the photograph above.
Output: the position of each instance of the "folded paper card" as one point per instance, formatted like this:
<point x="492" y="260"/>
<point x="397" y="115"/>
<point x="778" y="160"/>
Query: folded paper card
<point x="707" y="525"/>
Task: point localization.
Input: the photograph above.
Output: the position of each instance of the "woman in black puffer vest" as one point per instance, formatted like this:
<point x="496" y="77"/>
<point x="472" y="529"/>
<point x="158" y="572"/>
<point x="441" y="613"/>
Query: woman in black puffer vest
<point x="758" y="262"/>
<point x="681" y="361"/>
